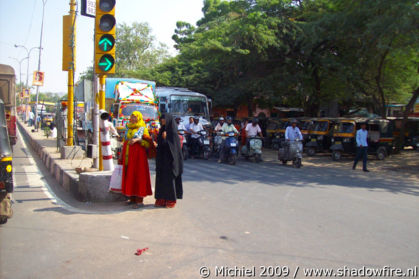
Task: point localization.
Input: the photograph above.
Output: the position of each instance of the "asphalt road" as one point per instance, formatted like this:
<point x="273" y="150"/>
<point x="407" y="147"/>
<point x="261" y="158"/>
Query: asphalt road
<point x="245" y="215"/>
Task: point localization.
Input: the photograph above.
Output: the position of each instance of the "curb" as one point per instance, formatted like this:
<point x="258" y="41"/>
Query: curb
<point x="92" y="187"/>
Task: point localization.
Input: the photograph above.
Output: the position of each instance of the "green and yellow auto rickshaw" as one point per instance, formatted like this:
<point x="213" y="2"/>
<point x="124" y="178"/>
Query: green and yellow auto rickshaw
<point x="320" y="136"/>
<point x="380" y="137"/>
<point x="6" y="176"/>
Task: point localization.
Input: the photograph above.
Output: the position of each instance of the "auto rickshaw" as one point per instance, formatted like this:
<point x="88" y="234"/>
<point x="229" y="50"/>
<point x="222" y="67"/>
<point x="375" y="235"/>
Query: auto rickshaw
<point x="411" y="131"/>
<point x="320" y="136"/>
<point x="47" y="119"/>
<point x="271" y="131"/>
<point x="6" y="176"/>
<point x="280" y="133"/>
<point x="380" y="137"/>
<point x="305" y="125"/>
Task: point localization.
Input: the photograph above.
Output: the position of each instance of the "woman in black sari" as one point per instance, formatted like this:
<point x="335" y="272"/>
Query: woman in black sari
<point x="169" y="164"/>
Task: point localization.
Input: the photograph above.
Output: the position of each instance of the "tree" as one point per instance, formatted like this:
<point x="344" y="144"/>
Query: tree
<point x="137" y="49"/>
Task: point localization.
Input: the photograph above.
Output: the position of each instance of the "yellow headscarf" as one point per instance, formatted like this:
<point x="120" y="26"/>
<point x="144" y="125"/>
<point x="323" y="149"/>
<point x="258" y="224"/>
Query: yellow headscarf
<point x="132" y="129"/>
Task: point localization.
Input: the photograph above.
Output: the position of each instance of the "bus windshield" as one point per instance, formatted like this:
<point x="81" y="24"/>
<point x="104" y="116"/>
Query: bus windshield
<point x="148" y="112"/>
<point x="188" y="105"/>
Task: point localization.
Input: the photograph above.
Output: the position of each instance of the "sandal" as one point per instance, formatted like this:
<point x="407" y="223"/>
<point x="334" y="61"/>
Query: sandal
<point x="137" y="205"/>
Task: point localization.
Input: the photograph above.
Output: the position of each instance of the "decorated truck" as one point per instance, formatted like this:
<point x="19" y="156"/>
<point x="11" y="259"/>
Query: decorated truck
<point x="133" y="95"/>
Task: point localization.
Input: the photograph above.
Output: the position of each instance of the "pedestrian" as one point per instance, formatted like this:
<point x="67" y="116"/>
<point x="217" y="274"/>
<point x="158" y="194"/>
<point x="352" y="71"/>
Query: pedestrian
<point x="362" y="147"/>
<point x="135" y="172"/>
<point x="31" y="118"/>
<point x="169" y="164"/>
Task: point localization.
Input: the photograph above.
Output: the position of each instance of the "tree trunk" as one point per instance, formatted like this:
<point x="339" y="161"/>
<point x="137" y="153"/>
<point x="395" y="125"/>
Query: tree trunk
<point x="378" y="80"/>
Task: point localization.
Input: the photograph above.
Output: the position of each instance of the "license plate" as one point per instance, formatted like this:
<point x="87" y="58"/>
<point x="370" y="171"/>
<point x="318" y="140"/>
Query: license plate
<point x="206" y="141"/>
<point x="313" y="139"/>
<point x="233" y="144"/>
<point x="338" y="142"/>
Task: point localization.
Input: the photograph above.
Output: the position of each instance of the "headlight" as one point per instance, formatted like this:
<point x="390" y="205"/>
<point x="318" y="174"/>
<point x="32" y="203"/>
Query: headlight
<point x="333" y="140"/>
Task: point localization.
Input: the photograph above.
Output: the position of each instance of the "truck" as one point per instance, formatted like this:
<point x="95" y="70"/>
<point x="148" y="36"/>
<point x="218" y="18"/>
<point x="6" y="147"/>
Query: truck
<point x="7" y="94"/>
<point x="131" y="95"/>
<point x="184" y="103"/>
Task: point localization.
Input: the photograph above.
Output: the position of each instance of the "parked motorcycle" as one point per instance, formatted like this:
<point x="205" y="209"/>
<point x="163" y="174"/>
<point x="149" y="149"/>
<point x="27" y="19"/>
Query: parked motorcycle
<point x="230" y="149"/>
<point x="253" y="149"/>
<point x="291" y="151"/>
<point x="183" y="144"/>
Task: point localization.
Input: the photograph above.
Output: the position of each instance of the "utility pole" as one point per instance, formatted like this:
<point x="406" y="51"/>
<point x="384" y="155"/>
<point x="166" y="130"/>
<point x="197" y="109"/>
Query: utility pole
<point x="70" y="106"/>
<point x="39" y="62"/>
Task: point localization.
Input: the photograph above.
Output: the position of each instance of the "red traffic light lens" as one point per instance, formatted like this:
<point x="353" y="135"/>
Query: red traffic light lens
<point x="107" y="22"/>
<point x="106" y="5"/>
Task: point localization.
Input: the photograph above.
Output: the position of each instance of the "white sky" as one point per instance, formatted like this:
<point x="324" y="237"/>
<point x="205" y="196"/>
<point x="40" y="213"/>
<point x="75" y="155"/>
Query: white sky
<point x="20" y="23"/>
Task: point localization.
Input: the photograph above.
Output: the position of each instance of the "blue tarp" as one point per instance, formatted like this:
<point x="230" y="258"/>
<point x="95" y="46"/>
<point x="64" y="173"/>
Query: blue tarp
<point x="111" y="83"/>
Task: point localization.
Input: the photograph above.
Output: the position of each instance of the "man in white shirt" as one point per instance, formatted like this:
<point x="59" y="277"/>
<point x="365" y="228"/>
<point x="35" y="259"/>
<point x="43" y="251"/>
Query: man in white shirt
<point x="362" y="147"/>
<point x="194" y="129"/>
<point x="180" y="126"/>
<point x="253" y="129"/>
<point x="220" y="124"/>
<point x="293" y="132"/>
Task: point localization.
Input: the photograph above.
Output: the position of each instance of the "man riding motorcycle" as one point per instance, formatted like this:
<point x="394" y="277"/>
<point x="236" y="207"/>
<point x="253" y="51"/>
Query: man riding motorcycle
<point x="194" y="129"/>
<point x="220" y="124"/>
<point x="227" y="128"/>
<point x="293" y="132"/>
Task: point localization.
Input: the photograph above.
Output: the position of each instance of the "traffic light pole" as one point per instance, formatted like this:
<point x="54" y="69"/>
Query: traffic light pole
<point x="70" y="105"/>
<point x="102" y="80"/>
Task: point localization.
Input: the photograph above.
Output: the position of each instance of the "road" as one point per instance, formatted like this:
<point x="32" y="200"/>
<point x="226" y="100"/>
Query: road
<point x="245" y="215"/>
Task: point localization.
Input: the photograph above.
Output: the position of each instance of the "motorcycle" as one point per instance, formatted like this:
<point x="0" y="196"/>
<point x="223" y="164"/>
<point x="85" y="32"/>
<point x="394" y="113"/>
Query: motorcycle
<point x="291" y="151"/>
<point x="204" y="147"/>
<point x="253" y="149"/>
<point x="217" y="143"/>
<point x="230" y="149"/>
<point x="183" y="144"/>
<point x="6" y="175"/>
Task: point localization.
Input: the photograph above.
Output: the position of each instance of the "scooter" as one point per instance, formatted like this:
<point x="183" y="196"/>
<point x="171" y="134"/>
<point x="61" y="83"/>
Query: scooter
<point x="291" y="151"/>
<point x="217" y="143"/>
<point x="253" y="149"/>
<point x="204" y="147"/>
<point x="183" y="144"/>
<point x="230" y="149"/>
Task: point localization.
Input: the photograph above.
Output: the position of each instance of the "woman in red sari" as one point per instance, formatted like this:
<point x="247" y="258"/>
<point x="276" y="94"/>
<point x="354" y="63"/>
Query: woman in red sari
<point x="135" y="173"/>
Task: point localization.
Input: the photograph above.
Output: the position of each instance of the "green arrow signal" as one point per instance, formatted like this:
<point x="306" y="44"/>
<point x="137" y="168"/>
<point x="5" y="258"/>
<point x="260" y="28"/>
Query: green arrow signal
<point x="105" y="41"/>
<point x="106" y="62"/>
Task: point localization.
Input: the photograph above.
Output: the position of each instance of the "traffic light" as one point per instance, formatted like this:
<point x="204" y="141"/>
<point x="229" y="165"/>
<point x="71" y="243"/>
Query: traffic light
<point x="105" y="37"/>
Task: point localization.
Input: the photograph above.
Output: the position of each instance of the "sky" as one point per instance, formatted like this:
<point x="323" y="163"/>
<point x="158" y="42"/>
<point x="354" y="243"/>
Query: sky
<point x="20" y="24"/>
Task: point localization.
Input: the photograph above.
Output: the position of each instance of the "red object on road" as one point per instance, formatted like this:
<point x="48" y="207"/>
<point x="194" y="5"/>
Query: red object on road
<point x="140" y="251"/>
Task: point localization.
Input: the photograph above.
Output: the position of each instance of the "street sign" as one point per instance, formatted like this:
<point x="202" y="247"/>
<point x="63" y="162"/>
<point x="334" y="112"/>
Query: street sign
<point x="38" y="78"/>
<point x="88" y="8"/>
<point x="106" y="42"/>
<point x="106" y="63"/>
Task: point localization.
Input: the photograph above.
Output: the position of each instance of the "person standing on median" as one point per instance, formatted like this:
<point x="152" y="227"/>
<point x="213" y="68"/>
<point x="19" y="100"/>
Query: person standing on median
<point x="169" y="164"/>
<point x="362" y="147"/>
<point x="136" y="182"/>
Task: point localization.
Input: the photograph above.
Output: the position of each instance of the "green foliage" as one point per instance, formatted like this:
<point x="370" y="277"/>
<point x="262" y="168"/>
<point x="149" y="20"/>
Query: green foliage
<point x="298" y="53"/>
<point x="136" y="49"/>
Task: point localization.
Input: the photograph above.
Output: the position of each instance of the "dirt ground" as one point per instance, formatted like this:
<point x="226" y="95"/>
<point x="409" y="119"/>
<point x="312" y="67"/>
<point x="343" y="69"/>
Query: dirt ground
<point x="406" y="162"/>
